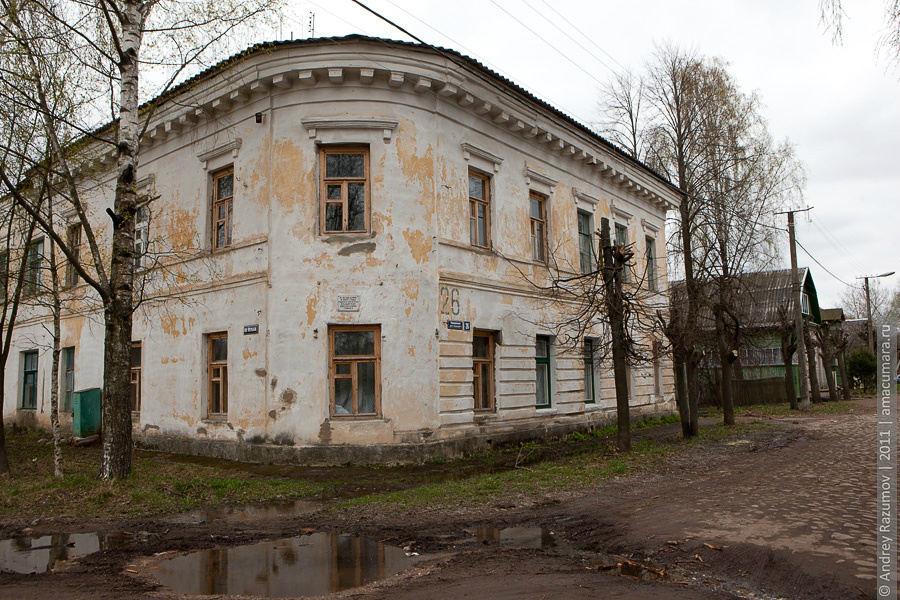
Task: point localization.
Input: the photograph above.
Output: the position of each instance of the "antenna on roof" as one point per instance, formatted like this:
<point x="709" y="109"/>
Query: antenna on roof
<point x="311" y="25"/>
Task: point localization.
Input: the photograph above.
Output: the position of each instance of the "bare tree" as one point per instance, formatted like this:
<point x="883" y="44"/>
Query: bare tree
<point x="69" y="59"/>
<point x="832" y="15"/>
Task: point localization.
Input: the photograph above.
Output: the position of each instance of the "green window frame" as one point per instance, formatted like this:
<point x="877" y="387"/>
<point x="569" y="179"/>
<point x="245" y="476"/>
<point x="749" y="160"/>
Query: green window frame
<point x="29" y="379"/>
<point x="588" y="357"/>
<point x="68" y="378"/>
<point x="585" y="241"/>
<point x="543" y="396"/>
<point x="652" y="283"/>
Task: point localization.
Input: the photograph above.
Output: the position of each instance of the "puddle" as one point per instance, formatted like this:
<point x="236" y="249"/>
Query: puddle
<point x="537" y="538"/>
<point x="311" y="565"/>
<point x="52" y="552"/>
<point x="249" y="512"/>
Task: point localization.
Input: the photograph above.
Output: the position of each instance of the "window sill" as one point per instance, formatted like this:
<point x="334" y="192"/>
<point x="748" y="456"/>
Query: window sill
<point x="346" y="237"/>
<point x="592" y="406"/>
<point x="546" y="410"/>
<point x="365" y="418"/>
<point x="217" y="419"/>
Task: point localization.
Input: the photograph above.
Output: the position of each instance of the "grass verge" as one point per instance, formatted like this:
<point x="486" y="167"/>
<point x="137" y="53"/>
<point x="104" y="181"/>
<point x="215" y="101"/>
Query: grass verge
<point x="157" y="485"/>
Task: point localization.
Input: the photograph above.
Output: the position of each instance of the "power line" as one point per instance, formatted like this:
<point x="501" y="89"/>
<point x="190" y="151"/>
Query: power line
<point x="540" y="37"/>
<point x="823" y="266"/>
<point x="584" y="35"/>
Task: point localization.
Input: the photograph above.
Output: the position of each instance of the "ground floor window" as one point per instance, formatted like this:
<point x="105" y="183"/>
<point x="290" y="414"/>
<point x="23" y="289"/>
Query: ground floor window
<point x="589" y="397"/>
<point x="542" y="397"/>
<point x="68" y="379"/>
<point x="355" y="369"/>
<point x="483" y="369"/>
<point x="136" y="376"/>
<point x="217" y="371"/>
<point x="29" y="379"/>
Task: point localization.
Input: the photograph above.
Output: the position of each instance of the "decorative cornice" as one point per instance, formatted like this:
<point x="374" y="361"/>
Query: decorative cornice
<point x="469" y="151"/>
<point x="585" y="197"/>
<point x="234" y="146"/>
<point x="539" y="177"/>
<point x="314" y="125"/>
<point x="648" y="226"/>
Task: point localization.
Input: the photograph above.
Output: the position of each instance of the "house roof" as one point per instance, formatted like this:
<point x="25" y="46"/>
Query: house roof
<point x="832" y="314"/>
<point x="766" y="298"/>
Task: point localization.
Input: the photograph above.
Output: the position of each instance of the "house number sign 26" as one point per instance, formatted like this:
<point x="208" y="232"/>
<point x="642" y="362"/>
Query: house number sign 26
<point x="449" y="301"/>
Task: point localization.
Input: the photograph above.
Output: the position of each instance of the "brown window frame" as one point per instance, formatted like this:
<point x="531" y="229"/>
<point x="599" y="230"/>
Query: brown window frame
<point x="474" y="203"/>
<point x="222" y="378"/>
<point x="538" y="238"/>
<point x="228" y="203"/>
<point x="344" y="182"/>
<point x="353" y="360"/>
<point x="73" y="239"/>
<point x="478" y="401"/>
<point x="136" y="372"/>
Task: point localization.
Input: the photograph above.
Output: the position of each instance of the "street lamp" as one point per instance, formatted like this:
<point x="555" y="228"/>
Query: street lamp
<point x="869" y="305"/>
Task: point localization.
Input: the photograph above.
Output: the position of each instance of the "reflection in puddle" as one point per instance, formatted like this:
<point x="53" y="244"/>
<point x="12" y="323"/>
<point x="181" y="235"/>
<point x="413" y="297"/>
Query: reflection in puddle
<point x="250" y="512"/>
<point x="50" y="552"/>
<point x="311" y="565"/>
<point x="537" y="538"/>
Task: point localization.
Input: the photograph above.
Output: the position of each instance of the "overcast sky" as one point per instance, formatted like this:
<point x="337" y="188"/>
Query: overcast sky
<point x="838" y="105"/>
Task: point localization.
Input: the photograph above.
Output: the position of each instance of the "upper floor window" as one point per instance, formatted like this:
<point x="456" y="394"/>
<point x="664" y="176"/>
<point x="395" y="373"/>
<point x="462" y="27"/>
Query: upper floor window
<point x="142" y="235"/>
<point x="479" y="209"/>
<point x="585" y="243"/>
<point x="345" y="189"/>
<point x="652" y="283"/>
<point x="73" y="239"/>
<point x="223" y="208"/>
<point x="622" y="241"/>
<point x="538" y="226"/>
<point x="4" y="275"/>
<point x="33" y="267"/>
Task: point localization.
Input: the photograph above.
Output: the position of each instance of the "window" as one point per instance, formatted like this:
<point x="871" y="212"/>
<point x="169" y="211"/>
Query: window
<point x="73" y="240"/>
<point x="657" y="369"/>
<point x="136" y="376"/>
<point x="33" y="268"/>
<point x="345" y="188"/>
<point x="355" y="370"/>
<point x="142" y="234"/>
<point x="217" y="370"/>
<point x="479" y="209"/>
<point x="589" y="397"/>
<point x="483" y="369"/>
<point x="68" y="379"/>
<point x="4" y="275"/>
<point x="223" y="208"/>
<point x="29" y="379"/>
<point x="804" y="303"/>
<point x="542" y="372"/>
<point x="538" y="227"/>
<point x="585" y="241"/>
<point x="651" y="265"/>
<point x="622" y="240"/>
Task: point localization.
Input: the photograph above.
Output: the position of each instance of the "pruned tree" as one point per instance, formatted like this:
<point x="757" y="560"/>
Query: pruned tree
<point x="696" y="127"/>
<point x="71" y="63"/>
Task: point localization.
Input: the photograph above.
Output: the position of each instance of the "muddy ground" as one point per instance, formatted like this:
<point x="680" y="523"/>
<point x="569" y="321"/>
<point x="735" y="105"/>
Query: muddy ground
<point x="785" y="512"/>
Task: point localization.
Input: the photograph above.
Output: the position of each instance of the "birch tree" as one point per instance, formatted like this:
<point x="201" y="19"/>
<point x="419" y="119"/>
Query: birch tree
<point x="91" y="59"/>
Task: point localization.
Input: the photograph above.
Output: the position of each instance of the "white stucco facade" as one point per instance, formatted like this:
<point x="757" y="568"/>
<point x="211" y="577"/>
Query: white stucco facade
<point x="423" y="121"/>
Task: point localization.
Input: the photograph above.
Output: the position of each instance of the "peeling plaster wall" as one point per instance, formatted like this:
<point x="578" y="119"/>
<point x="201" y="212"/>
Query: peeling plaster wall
<point x="412" y="273"/>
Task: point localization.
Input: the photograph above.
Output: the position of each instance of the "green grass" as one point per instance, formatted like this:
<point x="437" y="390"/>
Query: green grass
<point x="157" y="485"/>
<point x="779" y="410"/>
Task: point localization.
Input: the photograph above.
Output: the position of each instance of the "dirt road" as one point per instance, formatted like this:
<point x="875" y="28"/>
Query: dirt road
<point x="787" y="512"/>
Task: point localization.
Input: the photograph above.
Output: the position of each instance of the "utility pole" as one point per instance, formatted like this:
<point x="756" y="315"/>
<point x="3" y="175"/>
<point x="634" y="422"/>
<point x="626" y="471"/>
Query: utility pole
<point x="869" y="308"/>
<point x="798" y="313"/>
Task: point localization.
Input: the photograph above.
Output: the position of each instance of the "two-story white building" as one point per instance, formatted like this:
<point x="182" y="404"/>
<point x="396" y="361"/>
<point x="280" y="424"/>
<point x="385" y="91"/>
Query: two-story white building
<point x="347" y="227"/>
